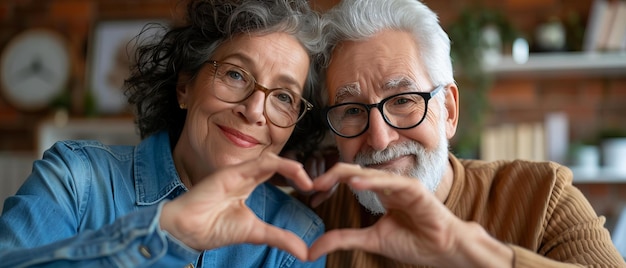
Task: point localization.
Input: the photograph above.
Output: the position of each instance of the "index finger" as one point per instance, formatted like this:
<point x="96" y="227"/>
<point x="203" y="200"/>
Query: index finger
<point x="279" y="238"/>
<point x="262" y="168"/>
<point x="340" y="173"/>
<point x="343" y="239"/>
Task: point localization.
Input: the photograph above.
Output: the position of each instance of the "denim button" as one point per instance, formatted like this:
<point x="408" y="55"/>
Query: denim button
<point x="145" y="252"/>
<point x="189" y="265"/>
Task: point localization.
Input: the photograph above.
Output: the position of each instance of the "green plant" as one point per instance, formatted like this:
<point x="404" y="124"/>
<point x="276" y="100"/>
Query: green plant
<point x="611" y="133"/>
<point x="474" y="83"/>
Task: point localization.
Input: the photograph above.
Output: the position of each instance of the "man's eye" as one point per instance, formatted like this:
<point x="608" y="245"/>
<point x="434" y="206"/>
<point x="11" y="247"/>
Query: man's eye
<point x="353" y="111"/>
<point x="402" y="101"/>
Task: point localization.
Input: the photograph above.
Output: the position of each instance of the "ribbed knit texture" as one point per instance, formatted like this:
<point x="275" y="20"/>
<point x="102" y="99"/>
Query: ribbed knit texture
<point x="531" y="206"/>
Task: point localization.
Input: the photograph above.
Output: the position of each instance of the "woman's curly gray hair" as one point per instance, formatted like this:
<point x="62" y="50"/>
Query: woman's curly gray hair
<point x="183" y="49"/>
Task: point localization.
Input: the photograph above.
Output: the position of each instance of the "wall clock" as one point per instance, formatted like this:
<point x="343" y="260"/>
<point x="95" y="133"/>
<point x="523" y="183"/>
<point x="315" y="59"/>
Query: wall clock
<point x="34" y="69"/>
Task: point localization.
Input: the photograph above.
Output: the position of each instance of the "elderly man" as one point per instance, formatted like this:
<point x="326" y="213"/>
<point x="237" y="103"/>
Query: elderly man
<point x="393" y="105"/>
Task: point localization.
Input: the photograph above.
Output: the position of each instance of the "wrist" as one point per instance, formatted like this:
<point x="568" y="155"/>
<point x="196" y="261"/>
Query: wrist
<point x="477" y="248"/>
<point x="167" y="222"/>
<point x="165" y="219"/>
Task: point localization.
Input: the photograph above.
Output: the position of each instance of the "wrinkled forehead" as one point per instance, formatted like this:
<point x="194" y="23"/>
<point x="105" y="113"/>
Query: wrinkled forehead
<point x="393" y="85"/>
<point x="387" y="60"/>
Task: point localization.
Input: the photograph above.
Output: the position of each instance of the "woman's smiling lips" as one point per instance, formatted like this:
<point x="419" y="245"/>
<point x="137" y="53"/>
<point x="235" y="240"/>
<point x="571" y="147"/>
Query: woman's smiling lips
<point x="238" y="138"/>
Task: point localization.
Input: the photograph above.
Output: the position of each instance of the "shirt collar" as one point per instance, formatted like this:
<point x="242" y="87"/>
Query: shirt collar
<point x="155" y="174"/>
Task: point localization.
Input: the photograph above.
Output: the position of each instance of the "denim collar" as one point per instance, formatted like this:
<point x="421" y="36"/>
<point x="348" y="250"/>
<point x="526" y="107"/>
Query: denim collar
<point x="155" y="174"/>
<point x="156" y="177"/>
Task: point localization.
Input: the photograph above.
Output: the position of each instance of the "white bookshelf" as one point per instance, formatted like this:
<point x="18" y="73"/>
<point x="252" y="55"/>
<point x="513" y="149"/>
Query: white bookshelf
<point x="554" y="63"/>
<point x="605" y="64"/>
<point x="602" y="175"/>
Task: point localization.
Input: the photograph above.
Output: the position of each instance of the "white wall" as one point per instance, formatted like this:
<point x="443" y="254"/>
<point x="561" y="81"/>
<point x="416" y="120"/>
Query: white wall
<point x="14" y="168"/>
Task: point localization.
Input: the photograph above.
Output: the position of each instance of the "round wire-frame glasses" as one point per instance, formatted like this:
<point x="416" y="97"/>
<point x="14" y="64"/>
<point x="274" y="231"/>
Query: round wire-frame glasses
<point x="233" y="84"/>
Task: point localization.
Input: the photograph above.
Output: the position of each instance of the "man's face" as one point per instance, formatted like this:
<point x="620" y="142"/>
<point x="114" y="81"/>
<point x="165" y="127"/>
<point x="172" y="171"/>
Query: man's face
<point x="369" y="71"/>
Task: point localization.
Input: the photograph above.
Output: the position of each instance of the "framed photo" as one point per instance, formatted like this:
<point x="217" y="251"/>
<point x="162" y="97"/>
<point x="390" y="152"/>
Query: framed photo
<point x="111" y="54"/>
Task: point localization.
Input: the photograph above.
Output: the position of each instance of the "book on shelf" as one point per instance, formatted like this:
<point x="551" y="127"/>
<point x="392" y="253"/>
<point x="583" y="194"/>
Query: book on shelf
<point x="616" y="39"/>
<point x="596" y="23"/>
<point x="546" y="140"/>
<point x="513" y="141"/>
<point x="606" y="26"/>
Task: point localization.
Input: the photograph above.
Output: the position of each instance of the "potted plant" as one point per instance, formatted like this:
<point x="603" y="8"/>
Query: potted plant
<point x="467" y="53"/>
<point x="613" y="143"/>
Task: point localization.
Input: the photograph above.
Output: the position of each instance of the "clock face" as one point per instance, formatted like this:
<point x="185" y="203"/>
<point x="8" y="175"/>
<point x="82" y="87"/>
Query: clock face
<point x="34" y="69"/>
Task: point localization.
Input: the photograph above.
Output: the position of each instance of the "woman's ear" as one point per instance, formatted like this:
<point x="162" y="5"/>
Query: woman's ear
<point x="182" y="92"/>
<point x="452" y="107"/>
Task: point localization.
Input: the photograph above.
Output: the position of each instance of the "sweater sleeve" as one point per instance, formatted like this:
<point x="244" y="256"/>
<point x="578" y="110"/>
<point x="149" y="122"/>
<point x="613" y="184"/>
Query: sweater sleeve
<point x="525" y="258"/>
<point x="574" y="233"/>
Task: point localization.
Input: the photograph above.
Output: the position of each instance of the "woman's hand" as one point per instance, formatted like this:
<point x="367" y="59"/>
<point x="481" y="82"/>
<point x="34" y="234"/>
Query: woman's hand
<point x="214" y="214"/>
<point x="315" y="165"/>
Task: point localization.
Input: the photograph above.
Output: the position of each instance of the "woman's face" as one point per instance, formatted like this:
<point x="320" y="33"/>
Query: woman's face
<point x="217" y="133"/>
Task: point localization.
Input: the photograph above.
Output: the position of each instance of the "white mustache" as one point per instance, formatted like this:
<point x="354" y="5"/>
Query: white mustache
<point x="372" y="157"/>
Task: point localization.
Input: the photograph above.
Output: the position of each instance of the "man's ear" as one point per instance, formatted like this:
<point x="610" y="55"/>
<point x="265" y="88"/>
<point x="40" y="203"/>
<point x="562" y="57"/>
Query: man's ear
<point x="452" y="107"/>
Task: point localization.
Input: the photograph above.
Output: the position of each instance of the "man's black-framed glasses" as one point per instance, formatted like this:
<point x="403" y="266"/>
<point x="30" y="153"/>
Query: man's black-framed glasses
<point x="233" y="84"/>
<point x="400" y="111"/>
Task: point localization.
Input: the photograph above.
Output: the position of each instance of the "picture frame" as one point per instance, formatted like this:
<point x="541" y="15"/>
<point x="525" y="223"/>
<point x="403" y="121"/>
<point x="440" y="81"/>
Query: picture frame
<point x="110" y="56"/>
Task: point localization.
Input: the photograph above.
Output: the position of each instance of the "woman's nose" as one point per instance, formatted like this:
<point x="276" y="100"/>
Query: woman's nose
<point x="253" y="108"/>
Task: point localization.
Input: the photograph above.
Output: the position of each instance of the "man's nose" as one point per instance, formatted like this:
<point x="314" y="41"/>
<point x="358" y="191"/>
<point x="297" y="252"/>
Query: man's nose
<point x="379" y="134"/>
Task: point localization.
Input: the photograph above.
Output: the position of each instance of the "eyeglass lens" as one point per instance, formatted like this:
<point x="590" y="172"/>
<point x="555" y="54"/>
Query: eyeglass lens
<point x="233" y="84"/>
<point x="402" y="111"/>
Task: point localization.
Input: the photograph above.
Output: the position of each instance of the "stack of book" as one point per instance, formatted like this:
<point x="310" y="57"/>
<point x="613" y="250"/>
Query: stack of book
<point x="547" y="140"/>
<point x="513" y="141"/>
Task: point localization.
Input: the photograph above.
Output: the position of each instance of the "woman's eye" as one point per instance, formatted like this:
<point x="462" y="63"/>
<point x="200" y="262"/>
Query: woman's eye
<point x="234" y="75"/>
<point x="284" y="97"/>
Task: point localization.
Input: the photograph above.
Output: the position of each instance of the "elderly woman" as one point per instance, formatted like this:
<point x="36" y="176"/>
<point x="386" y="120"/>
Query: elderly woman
<point x="216" y="99"/>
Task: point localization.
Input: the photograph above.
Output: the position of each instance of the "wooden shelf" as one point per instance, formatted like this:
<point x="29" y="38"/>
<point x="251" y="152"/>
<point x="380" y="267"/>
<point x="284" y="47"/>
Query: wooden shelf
<point x="559" y="63"/>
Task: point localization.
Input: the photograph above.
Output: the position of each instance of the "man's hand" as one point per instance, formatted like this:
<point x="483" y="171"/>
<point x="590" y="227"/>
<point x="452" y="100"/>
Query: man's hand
<point x="417" y="228"/>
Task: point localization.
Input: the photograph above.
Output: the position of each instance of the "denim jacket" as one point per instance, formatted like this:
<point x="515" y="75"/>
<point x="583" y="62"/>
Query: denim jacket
<point x="91" y="205"/>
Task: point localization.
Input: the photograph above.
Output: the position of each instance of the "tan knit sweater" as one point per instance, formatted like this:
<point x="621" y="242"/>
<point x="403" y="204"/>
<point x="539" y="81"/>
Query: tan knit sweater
<point x="533" y="207"/>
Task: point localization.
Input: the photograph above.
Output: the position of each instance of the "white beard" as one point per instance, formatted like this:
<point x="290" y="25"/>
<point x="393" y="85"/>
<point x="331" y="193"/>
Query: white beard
<point x="429" y="170"/>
